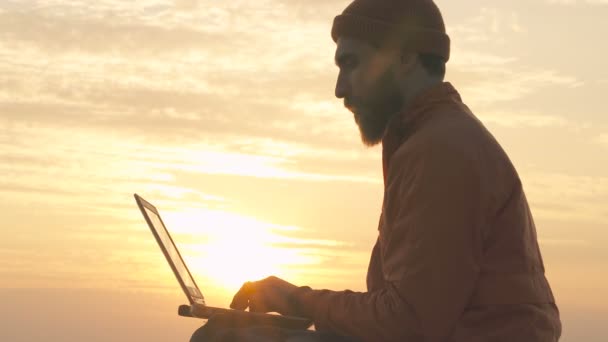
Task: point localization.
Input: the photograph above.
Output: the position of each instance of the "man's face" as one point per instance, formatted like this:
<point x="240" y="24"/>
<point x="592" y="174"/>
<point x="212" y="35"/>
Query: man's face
<point x="368" y="85"/>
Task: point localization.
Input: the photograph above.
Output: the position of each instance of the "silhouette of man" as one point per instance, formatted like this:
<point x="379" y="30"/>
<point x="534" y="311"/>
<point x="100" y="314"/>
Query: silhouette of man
<point x="457" y="257"/>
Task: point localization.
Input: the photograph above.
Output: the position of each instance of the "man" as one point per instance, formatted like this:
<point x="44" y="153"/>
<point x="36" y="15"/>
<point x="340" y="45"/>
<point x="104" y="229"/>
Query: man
<point x="457" y="257"/>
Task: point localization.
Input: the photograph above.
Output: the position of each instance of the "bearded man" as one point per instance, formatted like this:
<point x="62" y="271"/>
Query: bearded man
<point x="457" y="257"/>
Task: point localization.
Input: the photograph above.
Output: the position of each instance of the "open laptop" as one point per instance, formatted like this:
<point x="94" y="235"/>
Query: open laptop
<point x="197" y="307"/>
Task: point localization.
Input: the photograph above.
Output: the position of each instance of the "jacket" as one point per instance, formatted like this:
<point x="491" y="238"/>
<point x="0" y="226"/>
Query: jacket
<point x="457" y="257"/>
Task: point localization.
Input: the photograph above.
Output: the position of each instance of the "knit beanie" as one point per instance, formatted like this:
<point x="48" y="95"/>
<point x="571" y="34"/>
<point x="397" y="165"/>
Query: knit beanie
<point x="414" y="25"/>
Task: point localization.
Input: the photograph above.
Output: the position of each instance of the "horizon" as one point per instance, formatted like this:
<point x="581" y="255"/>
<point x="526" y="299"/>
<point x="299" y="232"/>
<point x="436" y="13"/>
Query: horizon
<point x="223" y="116"/>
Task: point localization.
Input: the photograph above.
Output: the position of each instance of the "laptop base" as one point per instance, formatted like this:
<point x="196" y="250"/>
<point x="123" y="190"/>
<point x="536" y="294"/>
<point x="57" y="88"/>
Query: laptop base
<point x="244" y="318"/>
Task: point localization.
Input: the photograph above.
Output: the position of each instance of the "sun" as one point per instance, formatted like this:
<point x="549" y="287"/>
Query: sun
<point x="228" y="249"/>
<point x="238" y="261"/>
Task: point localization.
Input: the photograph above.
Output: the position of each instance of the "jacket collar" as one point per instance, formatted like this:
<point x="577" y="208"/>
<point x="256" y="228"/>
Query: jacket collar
<point x="403" y="122"/>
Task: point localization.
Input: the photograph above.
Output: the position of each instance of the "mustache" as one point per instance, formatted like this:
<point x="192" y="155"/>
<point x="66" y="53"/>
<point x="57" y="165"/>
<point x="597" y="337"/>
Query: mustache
<point x="349" y="103"/>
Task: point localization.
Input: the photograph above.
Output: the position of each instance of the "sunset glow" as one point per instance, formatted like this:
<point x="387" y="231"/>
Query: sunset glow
<point x="232" y="249"/>
<point x="223" y="115"/>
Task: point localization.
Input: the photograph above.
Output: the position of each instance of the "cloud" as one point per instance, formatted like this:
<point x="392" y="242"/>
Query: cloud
<point x="529" y="119"/>
<point x="563" y="242"/>
<point x="489" y="25"/>
<point x="224" y="107"/>
<point x="602" y="139"/>
<point x="494" y="59"/>
<point x="487" y="70"/>
<point x="81" y="64"/>
<point x="560" y="196"/>
<point x="470" y="58"/>
<point x="577" y="2"/>
<point x="488" y="84"/>
<point x="82" y="158"/>
<point x="89" y="69"/>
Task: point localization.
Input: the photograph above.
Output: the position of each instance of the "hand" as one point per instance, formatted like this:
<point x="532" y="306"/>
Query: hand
<point x="268" y="295"/>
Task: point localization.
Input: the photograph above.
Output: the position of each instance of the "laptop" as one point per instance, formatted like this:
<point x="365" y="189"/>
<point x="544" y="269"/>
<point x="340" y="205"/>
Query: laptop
<point x="197" y="307"/>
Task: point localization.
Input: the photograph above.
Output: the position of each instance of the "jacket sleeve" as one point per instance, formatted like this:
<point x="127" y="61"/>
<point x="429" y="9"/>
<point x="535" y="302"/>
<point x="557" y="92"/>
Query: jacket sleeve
<point x="430" y="246"/>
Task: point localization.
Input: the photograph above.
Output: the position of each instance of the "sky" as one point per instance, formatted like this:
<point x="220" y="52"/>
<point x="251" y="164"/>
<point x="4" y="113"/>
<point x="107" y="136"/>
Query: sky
<point x="223" y="115"/>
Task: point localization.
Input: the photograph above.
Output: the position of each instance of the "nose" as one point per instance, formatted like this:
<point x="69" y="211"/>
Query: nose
<point x="342" y="86"/>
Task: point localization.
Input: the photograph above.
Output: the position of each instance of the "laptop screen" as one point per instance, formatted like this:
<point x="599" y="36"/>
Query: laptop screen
<point x="177" y="261"/>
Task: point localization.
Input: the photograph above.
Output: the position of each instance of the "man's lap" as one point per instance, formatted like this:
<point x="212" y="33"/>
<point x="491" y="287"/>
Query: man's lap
<point x="221" y="330"/>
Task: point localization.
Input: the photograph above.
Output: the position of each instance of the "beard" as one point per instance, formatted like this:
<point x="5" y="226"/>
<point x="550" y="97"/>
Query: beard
<point x="373" y="113"/>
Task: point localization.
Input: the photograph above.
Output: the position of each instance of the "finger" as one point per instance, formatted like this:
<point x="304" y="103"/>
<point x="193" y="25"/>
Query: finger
<point x="254" y="306"/>
<point x="258" y="303"/>
<point x="255" y="303"/>
<point x="261" y="301"/>
<point x="241" y="298"/>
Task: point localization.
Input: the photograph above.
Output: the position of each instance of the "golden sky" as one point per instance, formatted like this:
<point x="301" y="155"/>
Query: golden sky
<point x="222" y="114"/>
